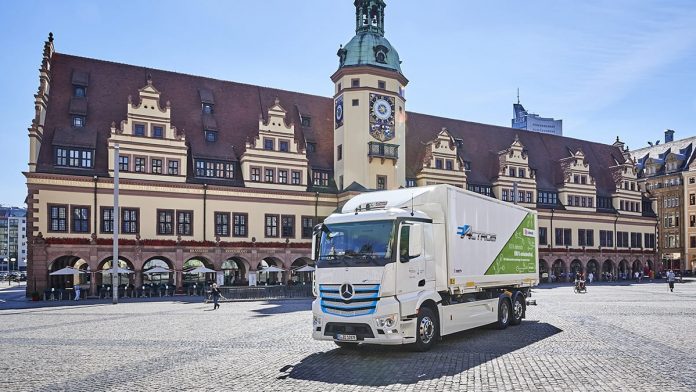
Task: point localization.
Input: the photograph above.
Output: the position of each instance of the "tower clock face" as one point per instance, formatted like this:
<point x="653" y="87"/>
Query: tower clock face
<point x="381" y="117"/>
<point x="338" y="112"/>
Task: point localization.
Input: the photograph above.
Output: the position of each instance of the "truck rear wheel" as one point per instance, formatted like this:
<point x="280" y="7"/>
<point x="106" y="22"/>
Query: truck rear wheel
<point x="503" y="313"/>
<point x="426" y="330"/>
<point x="517" y="309"/>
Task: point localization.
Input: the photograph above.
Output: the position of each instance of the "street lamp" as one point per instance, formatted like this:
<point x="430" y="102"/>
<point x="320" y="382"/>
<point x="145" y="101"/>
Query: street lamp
<point x="12" y="260"/>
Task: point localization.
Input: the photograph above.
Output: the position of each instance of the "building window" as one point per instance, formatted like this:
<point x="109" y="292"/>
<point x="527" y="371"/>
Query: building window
<point x="438" y="163"/>
<point x="282" y="176"/>
<point x="340" y="87"/>
<point x="208" y="108"/>
<point x="283" y="146"/>
<point x="173" y="168"/>
<point x="522" y="173"/>
<point x="307" y="226"/>
<point x="123" y="163"/>
<point x="79" y="91"/>
<point x="381" y="84"/>
<point x="239" y="225"/>
<point x="410" y="183"/>
<point x="542" y="236"/>
<point x="512" y="172"/>
<point x="267" y="144"/>
<point x="529" y="197"/>
<point x="210" y="136"/>
<point x="165" y="222"/>
<point x="585" y="237"/>
<point x="636" y="240"/>
<point x="107" y="220"/>
<point x="306" y="121"/>
<point x="271" y="226"/>
<point x="184" y="223"/>
<point x="449" y="164"/>
<point x="255" y="174"/>
<point x="222" y="224"/>
<point x="356" y="102"/>
<point x="157" y="132"/>
<point x="381" y="182"/>
<point x="311" y="147"/>
<point x="287" y="226"/>
<point x="58" y="217"/>
<point x="296" y="178"/>
<point x="504" y="195"/>
<point x="139" y="130"/>
<point x="576" y="179"/>
<point x="61" y="157"/>
<point x="355" y="83"/>
<point x="320" y="178"/>
<point x="564" y="237"/>
<point x="339" y="152"/>
<point x="214" y="169"/>
<point x="606" y="239"/>
<point x="269" y="175"/>
<point x="622" y="239"/>
<point x="129" y="219"/>
<point x="649" y="240"/>
<point x="78" y="121"/>
<point x="156" y="166"/>
<point x="583" y="179"/>
<point x="80" y="219"/>
<point x="140" y="165"/>
<point x="73" y="157"/>
<point x="520" y="197"/>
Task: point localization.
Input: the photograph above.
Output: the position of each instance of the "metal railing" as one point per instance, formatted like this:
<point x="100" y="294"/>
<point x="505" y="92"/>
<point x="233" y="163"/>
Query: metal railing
<point x="383" y="150"/>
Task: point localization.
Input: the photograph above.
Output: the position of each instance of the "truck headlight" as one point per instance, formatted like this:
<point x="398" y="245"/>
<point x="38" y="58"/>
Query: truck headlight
<point x="316" y="321"/>
<point x="387" y="321"/>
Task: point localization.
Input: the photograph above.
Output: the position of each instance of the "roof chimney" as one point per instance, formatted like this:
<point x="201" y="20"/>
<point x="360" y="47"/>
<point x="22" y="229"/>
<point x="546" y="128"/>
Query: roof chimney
<point x="669" y="135"/>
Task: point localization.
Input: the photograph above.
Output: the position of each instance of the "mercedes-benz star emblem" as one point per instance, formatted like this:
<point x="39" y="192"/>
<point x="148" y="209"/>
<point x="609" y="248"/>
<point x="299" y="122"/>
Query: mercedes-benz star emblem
<point x="347" y="291"/>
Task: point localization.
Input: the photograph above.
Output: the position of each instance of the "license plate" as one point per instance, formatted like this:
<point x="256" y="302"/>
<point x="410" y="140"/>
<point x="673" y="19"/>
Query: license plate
<point x="346" y="337"/>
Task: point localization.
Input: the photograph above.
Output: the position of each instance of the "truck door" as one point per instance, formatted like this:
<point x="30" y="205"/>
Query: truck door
<point x="410" y="268"/>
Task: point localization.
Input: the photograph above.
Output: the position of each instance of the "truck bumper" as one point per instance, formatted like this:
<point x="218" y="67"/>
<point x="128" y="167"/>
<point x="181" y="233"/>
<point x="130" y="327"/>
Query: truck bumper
<point x="332" y="327"/>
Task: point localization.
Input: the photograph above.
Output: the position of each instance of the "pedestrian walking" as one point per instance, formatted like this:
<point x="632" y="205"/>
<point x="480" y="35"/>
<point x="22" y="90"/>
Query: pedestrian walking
<point x="215" y="292"/>
<point x="670" y="280"/>
<point x="77" y="292"/>
<point x="590" y="277"/>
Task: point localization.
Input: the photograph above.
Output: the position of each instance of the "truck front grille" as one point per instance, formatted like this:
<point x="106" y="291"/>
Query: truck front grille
<point x="363" y="301"/>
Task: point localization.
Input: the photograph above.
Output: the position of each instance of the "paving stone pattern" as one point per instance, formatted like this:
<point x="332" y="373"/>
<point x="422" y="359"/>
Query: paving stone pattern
<point x="614" y="338"/>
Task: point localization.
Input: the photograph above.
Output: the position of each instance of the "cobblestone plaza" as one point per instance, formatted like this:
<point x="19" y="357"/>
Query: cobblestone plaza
<point x="614" y="338"/>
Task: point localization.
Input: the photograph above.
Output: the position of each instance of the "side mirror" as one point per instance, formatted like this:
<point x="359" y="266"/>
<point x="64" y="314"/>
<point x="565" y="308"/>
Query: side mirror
<point x="415" y="243"/>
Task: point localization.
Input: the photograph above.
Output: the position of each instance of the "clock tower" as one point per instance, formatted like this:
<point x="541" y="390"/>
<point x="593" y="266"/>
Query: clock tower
<point x="369" y="106"/>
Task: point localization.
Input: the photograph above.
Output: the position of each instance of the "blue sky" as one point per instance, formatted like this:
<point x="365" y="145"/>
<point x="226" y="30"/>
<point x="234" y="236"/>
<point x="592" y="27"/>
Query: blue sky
<point x="607" y="68"/>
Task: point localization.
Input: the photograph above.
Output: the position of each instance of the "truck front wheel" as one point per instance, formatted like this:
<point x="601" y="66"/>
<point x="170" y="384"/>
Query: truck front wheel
<point x="503" y="313"/>
<point x="426" y="330"/>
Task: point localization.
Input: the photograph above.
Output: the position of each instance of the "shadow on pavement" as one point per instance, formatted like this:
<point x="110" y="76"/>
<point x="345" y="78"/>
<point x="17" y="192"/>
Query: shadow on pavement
<point x="283" y="307"/>
<point x="378" y="366"/>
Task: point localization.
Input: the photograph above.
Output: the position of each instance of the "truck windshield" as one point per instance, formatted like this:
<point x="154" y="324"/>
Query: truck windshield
<point x="357" y="244"/>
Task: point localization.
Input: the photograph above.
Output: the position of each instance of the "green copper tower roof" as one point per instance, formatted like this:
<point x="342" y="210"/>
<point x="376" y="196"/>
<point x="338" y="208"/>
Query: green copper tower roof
<point x="369" y="47"/>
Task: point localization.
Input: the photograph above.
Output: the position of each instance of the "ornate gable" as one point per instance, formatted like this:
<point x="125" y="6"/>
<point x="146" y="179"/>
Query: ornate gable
<point x="441" y="162"/>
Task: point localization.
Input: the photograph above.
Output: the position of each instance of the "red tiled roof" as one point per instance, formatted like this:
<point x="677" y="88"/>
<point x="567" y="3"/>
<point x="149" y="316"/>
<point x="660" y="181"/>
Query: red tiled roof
<point x="238" y="107"/>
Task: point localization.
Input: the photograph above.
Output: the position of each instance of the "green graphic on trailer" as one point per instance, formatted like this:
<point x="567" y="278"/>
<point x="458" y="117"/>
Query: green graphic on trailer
<point x="518" y="256"/>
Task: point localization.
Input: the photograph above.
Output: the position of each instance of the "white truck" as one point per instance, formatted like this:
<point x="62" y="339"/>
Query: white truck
<point x="411" y="265"/>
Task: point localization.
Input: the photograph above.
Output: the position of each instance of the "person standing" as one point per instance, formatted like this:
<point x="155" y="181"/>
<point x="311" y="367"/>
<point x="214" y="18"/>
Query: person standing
<point x="215" y="292"/>
<point x="670" y="280"/>
<point x="77" y="292"/>
<point x="590" y="277"/>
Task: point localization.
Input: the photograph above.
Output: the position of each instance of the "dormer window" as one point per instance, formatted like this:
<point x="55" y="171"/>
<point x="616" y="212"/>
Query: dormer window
<point x="207" y="108"/>
<point x="381" y="54"/>
<point x="306" y="121"/>
<point x="78" y="121"/>
<point x="283" y="145"/>
<point x="157" y="132"/>
<point x="139" y="130"/>
<point x="522" y="173"/>
<point x="438" y="163"/>
<point x="268" y="144"/>
<point x="79" y="91"/>
<point x="210" y="136"/>
<point x="449" y="164"/>
<point x="513" y="172"/>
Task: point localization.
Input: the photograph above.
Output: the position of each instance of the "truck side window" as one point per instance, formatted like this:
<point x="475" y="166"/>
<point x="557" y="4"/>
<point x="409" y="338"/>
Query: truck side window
<point x="403" y="244"/>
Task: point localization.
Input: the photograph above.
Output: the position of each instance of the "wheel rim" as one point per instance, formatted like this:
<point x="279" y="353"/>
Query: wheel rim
<point x="504" y="312"/>
<point x="426" y="330"/>
<point x="518" y="309"/>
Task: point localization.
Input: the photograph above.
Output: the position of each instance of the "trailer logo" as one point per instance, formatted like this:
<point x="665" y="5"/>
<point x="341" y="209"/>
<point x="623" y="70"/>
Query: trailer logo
<point x="466" y="231"/>
<point x="346" y="291"/>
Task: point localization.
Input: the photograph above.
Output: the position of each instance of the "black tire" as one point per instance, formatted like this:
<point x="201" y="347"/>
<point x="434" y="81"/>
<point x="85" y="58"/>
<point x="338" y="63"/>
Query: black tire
<point x="503" y="313"/>
<point x="427" y="330"/>
<point x="518" y="308"/>
<point x="347" y="345"/>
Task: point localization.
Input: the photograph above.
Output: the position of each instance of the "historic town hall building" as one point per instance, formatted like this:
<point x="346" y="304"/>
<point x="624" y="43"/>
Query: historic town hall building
<point x="234" y="177"/>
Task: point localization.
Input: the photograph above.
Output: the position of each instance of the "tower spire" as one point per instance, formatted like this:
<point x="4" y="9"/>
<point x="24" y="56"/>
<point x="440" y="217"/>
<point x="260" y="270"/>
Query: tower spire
<point x="369" y="16"/>
<point x="518" y="95"/>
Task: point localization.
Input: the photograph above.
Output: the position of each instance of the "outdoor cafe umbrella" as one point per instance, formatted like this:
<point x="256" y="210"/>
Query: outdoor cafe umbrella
<point x="306" y="268"/>
<point x="158" y="270"/>
<point x="200" y="270"/>
<point x="119" y="270"/>
<point x="67" y="271"/>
